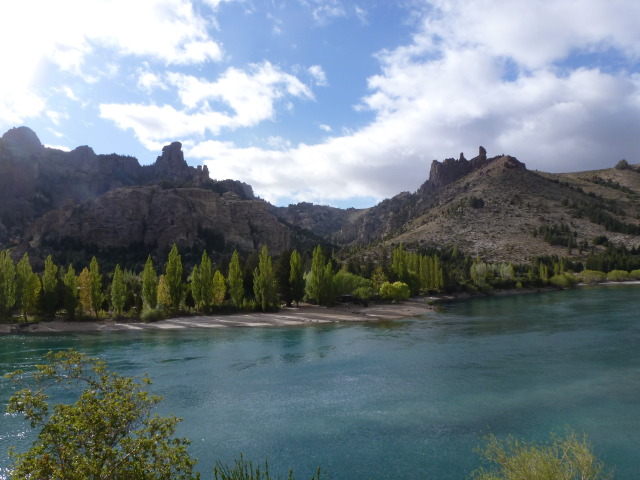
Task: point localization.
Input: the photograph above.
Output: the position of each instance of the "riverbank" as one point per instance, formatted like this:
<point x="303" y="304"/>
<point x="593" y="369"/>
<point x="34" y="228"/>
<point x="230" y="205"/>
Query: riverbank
<point x="285" y="317"/>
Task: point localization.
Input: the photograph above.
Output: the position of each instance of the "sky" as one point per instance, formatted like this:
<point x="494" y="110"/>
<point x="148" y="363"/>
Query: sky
<point x="334" y="102"/>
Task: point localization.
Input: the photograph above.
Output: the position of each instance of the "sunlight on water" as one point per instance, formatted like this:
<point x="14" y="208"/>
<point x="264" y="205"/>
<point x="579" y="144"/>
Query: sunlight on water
<point x="400" y="399"/>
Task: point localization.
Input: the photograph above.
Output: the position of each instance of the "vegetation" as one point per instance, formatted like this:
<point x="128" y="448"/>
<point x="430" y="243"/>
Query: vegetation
<point x="561" y="458"/>
<point x="109" y="432"/>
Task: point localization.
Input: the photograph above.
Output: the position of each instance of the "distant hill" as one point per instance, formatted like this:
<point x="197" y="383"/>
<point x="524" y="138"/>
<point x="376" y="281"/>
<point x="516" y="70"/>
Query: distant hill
<point x="76" y="204"/>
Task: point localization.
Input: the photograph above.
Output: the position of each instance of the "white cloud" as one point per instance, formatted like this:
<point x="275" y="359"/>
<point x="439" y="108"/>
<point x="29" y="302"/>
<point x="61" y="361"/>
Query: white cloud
<point x="489" y="73"/>
<point x="238" y="99"/>
<point x="318" y="75"/>
<point x="325" y="128"/>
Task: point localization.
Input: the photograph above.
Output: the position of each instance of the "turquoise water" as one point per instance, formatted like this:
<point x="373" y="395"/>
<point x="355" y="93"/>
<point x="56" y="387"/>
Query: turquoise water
<point x="404" y="399"/>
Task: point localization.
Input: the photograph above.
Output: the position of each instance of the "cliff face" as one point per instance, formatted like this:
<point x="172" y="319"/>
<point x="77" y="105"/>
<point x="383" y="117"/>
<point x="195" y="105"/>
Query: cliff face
<point x="192" y="218"/>
<point x="81" y="199"/>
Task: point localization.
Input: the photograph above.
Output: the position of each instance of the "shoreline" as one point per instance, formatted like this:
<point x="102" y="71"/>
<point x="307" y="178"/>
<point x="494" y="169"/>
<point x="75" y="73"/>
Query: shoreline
<point x="305" y="314"/>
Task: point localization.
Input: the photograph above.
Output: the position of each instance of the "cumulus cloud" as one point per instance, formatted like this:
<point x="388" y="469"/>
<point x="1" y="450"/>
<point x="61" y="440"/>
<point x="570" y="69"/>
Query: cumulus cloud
<point x="238" y="98"/>
<point x="507" y="76"/>
<point x="67" y="33"/>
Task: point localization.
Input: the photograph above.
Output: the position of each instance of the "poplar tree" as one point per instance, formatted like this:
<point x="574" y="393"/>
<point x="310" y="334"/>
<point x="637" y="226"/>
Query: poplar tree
<point x="149" y="285"/>
<point x="95" y="287"/>
<point x="264" y="282"/>
<point x="27" y="286"/>
<point x="296" y="277"/>
<point x="50" y="286"/>
<point x="173" y="278"/>
<point x="70" y="292"/>
<point x="164" y="299"/>
<point x="219" y="289"/>
<point x="84" y="282"/>
<point x="206" y="281"/>
<point x="235" y="281"/>
<point x="118" y="292"/>
<point x="320" y="282"/>
<point x="7" y="283"/>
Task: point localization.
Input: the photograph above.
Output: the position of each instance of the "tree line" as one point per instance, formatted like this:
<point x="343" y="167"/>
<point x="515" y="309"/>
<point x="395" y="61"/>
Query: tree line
<point x="262" y="284"/>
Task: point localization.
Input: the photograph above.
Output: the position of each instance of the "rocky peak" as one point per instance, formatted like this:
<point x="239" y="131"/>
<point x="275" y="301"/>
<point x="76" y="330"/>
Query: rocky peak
<point x="22" y="142"/>
<point x="171" y="165"/>
<point x="450" y="170"/>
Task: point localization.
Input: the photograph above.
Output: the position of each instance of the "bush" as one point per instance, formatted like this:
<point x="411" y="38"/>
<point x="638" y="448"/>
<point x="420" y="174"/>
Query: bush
<point x="364" y="294"/>
<point x="394" y="292"/>
<point x="245" y="470"/>
<point x="634" y="274"/>
<point x="592" y="276"/>
<point x="618" y="276"/>
<point x="152" y="315"/>
<point x="563" y="280"/>
<point x="565" y="458"/>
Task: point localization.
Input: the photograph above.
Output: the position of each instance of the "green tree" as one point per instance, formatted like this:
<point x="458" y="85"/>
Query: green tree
<point x="118" y="292"/>
<point x="164" y="299"/>
<point x="27" y="286"/>
<point x="264" y="282"/>
<point x="320" y="280"/>
<point x="70" y="292"/>
<point x="235" y="281"/>
<point x="95" y="287"/>
<point x="296" y="277"/>
<point x="395" y="292"/>
<point x="219" y="289"/>
<point x="562" y="458"/>
<point x="108" y="433"/>
<point x="7" y="283"/>
<point x="149" y="285"/>
<point x="196" y="288"/>
<point x="173" y="277"/>
<point x="206" y="280"/>
<point x="50" y="287"/>
<point x="84" y="282"/>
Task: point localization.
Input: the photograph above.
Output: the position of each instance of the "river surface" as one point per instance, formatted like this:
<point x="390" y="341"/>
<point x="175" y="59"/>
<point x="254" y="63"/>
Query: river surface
<point x="402" y="399"/>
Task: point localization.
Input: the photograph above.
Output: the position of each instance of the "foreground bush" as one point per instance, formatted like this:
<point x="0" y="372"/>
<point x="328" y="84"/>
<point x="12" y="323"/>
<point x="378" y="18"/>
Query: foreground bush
<point x="108" y="433"/>
<point x="561" y="458"/>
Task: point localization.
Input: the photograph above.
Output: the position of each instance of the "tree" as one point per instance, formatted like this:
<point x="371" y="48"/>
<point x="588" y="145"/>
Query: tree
<point x="118" y="292"/>
<point x="85" y="291"/>
<point x="395" y="292"/>
<point x="70" y="292"/>
<point x="173" y="277"/>
<point x="7" y="283"/>
<point x="219" y="289"/>
<point x="320" y="280"/>
<point x="27" y="286"/>
<point x="235" y="281"/>
<point x="562" y="458"/>
<point x="108" y="433"/>
<point x="206" y="282"/>
<point x="264" y="282"/>
<point x="50" y="287"/>
<point x="164" y="299"/>
<point x="149" y="285"/>
<point x="95" y="287"/>
<point x="296" y="277"/>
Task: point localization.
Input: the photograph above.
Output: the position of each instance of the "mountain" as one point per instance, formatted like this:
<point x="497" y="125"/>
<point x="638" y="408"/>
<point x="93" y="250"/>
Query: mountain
<point x="491" y="207"/>
<point x="76" y="204"/>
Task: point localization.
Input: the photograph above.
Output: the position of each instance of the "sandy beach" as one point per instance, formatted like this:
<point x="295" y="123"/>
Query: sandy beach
<point x="293" y="316"/>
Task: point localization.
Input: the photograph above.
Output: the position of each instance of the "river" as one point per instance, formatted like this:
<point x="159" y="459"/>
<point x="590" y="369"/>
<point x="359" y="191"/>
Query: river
<point x="403" y="399"/>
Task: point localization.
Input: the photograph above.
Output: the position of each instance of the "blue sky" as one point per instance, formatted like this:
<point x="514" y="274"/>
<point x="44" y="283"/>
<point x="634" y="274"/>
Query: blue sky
<point x="327" y="101"/>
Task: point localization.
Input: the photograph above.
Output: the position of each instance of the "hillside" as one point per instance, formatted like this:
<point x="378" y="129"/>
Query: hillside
<point x="76" y="204"/>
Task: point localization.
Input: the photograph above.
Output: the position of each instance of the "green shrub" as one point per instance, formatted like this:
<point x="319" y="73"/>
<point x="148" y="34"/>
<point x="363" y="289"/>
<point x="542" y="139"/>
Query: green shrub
<point x="152" y="314"/>
<point x="395" y="292"/>
<point x="618" y="276"/>
<point x="592" y="276"/>
<point x="563" y="280"/>
<point x="245" y="470"/>
<point x="565" y="458"/>
<point x="635" y="274"/>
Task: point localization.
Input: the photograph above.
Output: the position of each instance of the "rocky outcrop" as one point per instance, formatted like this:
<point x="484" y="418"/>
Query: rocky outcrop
<point x="192" y="218"/>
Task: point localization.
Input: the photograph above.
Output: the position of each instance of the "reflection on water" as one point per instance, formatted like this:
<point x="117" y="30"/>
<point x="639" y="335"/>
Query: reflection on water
<point x="390" y="399"/>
